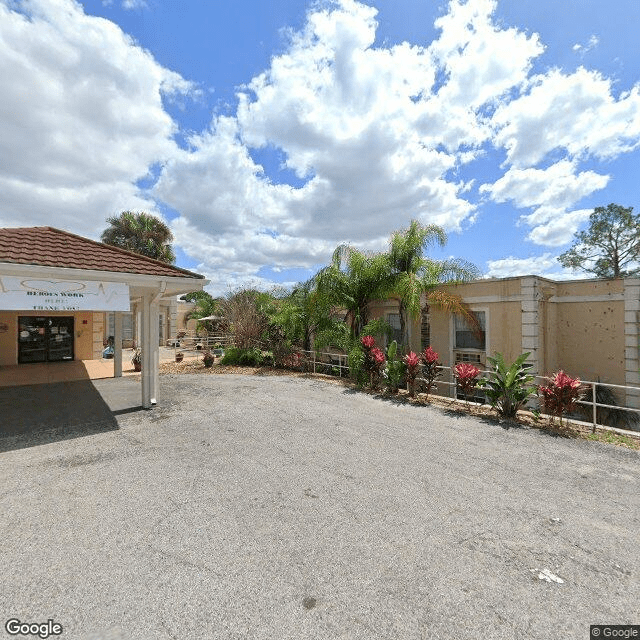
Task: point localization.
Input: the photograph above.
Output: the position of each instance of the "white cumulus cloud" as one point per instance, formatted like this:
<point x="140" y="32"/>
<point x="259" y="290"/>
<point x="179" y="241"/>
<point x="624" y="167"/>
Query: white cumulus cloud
<point x="81" y="115"/>
<point x="372" y="132"/>
<point x="576" y="113"/>
<point x="551" y="192"/>
<point x="546" y="265"/>
<point x="370" y="135"/>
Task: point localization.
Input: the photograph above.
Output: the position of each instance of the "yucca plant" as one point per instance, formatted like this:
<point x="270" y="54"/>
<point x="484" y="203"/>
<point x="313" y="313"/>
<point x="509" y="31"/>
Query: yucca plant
<point x="508" y="387"/>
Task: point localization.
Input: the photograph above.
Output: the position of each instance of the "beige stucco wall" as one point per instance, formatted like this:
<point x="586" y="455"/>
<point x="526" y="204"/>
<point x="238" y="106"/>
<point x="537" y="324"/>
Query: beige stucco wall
<point x="182" y="309"/>
<point x="83" y="334"/>
<point x="578" y="326"/>
<point x="584" y="337"/>
<point x="500" y="300"/>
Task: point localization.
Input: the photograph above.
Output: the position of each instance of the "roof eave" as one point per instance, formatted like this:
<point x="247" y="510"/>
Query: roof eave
<point x="174" y="284"/>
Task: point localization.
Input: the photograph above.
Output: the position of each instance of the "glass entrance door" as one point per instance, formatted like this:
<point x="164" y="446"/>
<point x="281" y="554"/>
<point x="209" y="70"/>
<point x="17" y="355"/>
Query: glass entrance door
<point x="45" y="339"/>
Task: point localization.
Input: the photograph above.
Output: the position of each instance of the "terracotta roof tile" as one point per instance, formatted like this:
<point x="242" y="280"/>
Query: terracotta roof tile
<point x="49" y="247"/>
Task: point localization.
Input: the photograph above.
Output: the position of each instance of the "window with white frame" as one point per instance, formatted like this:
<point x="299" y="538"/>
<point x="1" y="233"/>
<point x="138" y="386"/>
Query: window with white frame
<point x="465" y="336"/>
<point x="396" y="334"/>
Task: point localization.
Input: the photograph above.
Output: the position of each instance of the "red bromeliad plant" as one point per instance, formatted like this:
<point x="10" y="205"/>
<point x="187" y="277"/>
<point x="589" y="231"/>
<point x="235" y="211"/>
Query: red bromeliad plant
<point x="466" y="377"/>
<point x="378" y="356"/>
<point x="430" y="367"/>
<point x="561" y="394"/>
<point x="373" y="359"/>
<point x="413" y="363"/>
<point x="368" y="342"/>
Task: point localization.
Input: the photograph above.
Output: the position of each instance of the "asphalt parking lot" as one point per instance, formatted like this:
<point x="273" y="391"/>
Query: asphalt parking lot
<point x="246" y="507"/>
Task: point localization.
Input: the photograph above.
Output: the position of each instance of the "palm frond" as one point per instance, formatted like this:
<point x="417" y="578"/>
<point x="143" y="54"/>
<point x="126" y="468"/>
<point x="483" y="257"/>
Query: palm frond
<point x="452" y="303"/>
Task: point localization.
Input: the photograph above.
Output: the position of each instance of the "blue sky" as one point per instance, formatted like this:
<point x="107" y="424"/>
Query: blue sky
<point x="266" y="133"/>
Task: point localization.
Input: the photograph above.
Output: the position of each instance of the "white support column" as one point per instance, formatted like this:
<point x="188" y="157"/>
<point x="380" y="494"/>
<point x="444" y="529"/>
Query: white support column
<point x="154" y="316"/>
<point x="631" y="340"/>
<point x="137" y="316"/>
<point x="117" y="346"/>
<point x="530" y="322"/>
<point x="147" y="358"/>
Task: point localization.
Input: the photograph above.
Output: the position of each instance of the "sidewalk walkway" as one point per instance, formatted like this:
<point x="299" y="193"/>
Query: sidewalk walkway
<point x="49" y="372"/>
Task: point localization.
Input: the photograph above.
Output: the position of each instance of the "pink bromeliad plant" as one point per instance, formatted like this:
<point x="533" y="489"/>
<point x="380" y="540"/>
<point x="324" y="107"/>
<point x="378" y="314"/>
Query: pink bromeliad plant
<point x="431" y="370"/>
<point x="466" y="377"/>
<point x="412" y="360"/>
<point x="561" y="395"/>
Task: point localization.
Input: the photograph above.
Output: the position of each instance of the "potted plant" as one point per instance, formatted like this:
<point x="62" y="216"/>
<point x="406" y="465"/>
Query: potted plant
<point x="179" y="356"/>
<point x="208" y="358"/>
<point x="218" y="350"/>
<point x="136" y="360"/>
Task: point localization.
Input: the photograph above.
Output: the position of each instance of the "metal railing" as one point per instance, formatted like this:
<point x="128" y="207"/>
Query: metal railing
<point x="323" y="362"/>
<point x="336" y="364"/>
<point x="190" y="342"/>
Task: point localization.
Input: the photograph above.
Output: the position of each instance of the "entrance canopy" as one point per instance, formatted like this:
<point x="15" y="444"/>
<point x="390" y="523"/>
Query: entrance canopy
<point x="43" y="269"/>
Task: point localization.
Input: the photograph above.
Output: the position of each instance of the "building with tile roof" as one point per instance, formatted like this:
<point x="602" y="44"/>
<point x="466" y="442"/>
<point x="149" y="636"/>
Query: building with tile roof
<point x="60" y="294"/>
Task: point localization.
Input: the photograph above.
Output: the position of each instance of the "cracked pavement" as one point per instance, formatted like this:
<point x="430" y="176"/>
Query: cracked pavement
<point x="275" y="507"/>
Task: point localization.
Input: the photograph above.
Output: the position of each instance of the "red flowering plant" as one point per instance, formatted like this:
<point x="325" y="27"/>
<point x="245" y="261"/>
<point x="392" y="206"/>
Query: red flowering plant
<point x="431" y="368"/>
<point x="368" y="342"/>
<point x="412" y="360"/>
<point x="561" y="395"/>
<point x="466" y="377"/>
<point x="373" y="359"/>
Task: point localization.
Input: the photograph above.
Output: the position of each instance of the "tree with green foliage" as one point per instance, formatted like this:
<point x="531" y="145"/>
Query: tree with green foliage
<point x="206" y="306"/>
<point x="303" y="313"/>
<point x="353" y="280"/>
<point x="610" y="247"/>
<point x="248" y="313"/>
<point x="141" y="233"/>
<point x="414" y="275"/>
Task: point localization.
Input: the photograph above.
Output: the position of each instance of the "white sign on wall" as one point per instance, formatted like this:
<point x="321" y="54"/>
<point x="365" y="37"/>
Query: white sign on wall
<point x="32" y="294"/>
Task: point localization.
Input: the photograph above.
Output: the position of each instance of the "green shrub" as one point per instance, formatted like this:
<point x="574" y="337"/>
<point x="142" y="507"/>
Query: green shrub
<point x="395" y="368"/>
<point x="246" y="357"/>
<point x="509" y="388"/>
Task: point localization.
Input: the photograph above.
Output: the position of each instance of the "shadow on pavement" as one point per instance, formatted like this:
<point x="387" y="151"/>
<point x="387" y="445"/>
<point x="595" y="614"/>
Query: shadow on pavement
<point x="44" y="413"/>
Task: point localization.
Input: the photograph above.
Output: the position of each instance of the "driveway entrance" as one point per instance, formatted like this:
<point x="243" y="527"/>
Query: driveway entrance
<point x="261" y="507"/>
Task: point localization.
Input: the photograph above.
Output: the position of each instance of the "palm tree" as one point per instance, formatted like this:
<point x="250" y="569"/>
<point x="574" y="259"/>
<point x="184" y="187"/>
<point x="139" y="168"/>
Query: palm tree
<point x="141" y="233"/>
<point x="413" y="275"/>
<point x="352" y="280"/>
<point x="206" y="306"/>
<point x="304" y="313"/>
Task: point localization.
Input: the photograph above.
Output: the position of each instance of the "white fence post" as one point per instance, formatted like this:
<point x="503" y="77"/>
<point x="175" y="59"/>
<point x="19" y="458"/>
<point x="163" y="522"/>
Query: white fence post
<point x="595" y="411"/>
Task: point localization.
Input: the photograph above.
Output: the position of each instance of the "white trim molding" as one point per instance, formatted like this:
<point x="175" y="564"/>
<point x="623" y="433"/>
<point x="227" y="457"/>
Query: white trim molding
<point x="631" y="339"/>
<point x="531" y="321"/>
